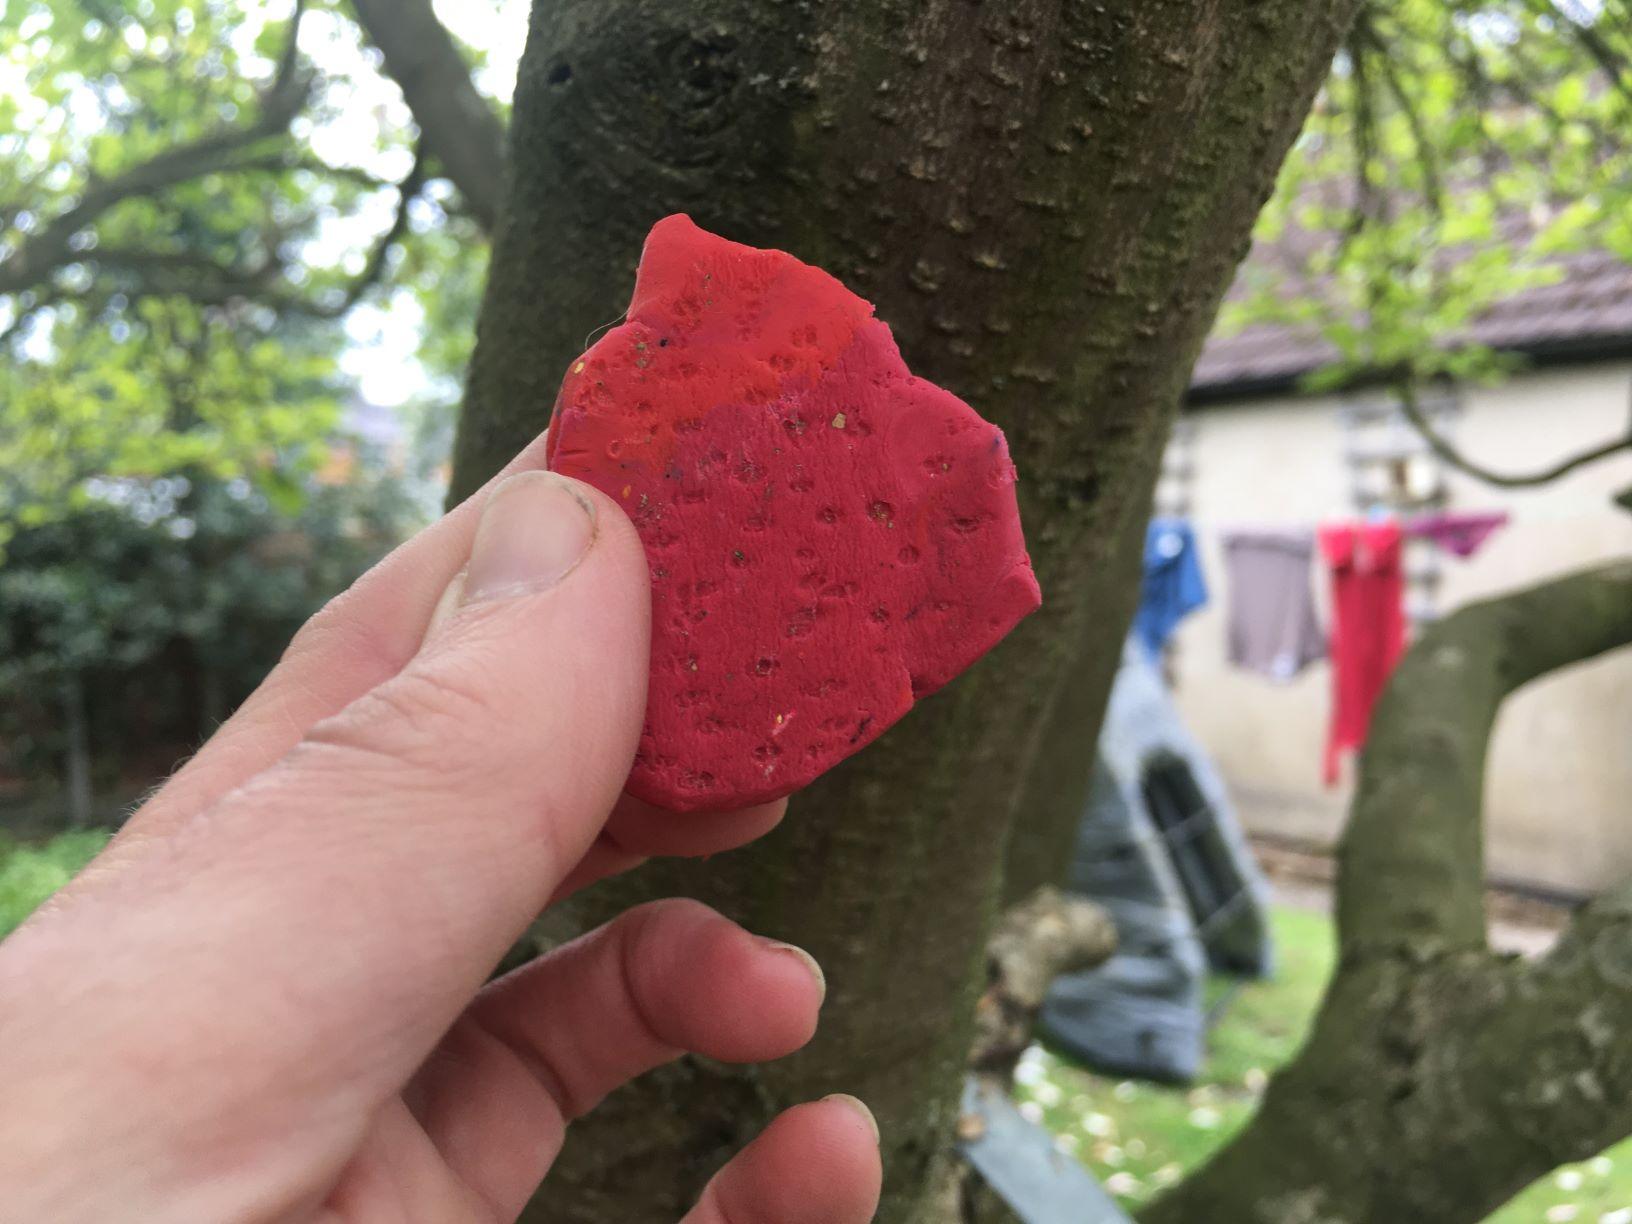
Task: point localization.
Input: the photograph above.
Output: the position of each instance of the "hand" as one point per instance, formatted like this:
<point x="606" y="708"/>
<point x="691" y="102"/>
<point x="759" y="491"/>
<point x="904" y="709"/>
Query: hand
<point x="265" y="1001"/>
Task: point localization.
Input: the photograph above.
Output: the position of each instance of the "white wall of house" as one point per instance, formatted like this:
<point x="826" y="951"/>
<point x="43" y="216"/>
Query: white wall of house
<point x="1559" y="786"/>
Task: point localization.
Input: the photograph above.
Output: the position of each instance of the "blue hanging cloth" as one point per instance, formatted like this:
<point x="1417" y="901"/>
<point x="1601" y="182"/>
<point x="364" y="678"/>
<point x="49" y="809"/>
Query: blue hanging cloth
<point x="1173" y="583"/>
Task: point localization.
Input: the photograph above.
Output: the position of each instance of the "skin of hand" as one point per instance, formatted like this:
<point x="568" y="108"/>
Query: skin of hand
<point x="265" y="1000"/>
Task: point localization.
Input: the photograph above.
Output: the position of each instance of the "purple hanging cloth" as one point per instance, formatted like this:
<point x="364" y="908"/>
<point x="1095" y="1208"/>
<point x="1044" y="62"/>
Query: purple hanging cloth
<point x="1456" y="532"/>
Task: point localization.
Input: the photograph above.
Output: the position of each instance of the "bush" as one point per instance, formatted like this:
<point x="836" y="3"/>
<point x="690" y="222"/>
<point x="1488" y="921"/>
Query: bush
<point x="132" y="626"/>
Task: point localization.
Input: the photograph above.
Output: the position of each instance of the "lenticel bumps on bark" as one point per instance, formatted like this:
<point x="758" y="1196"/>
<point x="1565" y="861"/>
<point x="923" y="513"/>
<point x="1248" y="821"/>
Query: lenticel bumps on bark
<point x="830" y="538"/>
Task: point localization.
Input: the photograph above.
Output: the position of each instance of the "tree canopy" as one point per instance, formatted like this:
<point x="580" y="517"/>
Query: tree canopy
<point x="1459" y="149"/>
<point x="196" y="196"/>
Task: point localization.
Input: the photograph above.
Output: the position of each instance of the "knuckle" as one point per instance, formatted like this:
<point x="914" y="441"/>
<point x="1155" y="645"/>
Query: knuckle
<point x="335" y="630"/>
<point x="671" y="931"/>
<point x="725" y="1210"/>
<point x="437" y="702"/>
<point x="664" y="945"/>
<point x="427" y="719"/>
<point x="643" y="978"/>
<point x="673" y="911"/>
<point x="328" y="622"/>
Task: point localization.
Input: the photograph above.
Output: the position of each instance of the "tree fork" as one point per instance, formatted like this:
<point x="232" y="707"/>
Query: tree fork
<point x="1046" y="199"/>
<point x="1441" y="1078"/>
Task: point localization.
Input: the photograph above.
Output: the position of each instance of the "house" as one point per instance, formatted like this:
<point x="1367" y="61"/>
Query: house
<point x="1253" y="448"/>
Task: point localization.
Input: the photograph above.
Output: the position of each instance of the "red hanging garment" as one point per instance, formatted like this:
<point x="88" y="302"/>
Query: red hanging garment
<point x="1368" y="627"/>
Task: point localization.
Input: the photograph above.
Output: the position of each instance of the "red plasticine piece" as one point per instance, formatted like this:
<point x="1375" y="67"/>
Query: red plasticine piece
<point x="830" y="538"/>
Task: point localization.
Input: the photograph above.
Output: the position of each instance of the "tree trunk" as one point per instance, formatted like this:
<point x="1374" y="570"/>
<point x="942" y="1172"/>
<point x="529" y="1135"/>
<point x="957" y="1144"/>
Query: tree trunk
<point x="1054" y="792"/>
<point x="1046" y="199"/>
<point x="1441" y="1078"/>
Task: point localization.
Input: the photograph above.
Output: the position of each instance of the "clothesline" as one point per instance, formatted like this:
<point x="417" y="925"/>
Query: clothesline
<point x="1272" y="625"/>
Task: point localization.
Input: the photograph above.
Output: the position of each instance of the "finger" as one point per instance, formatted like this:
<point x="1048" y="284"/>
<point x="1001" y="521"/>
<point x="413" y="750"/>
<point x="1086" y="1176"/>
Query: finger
<point x="815" y="1164"/>
<point x="637" y="830"/>
<point x="640" y="828"/>
<point x="545" y="1044"/>
<point x="358" y="640"/>
<point x="334" y="915"/>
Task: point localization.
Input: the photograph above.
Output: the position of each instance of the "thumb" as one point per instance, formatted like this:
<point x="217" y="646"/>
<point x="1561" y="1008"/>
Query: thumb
<point x="525" y="701"/>
<point x="336" y="912"/>
<point x="484" y="768"/>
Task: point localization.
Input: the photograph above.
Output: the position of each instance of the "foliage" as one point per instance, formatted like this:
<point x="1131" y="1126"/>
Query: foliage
<point x="176" y="263"/>
<point x="1459" y="150"/>
<point x="165" y="601"/>
<point x="1139" y="1138"/>
<point x="209" y="189"/>
<point x="173" y="386"/>
<point x="30" y="874"/>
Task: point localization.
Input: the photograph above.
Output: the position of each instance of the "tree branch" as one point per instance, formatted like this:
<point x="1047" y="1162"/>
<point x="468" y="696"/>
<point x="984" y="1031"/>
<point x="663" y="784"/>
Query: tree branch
<point x="283" y="161"/>
<point x="1432" y="189"/>
<point x="1365" y="144"/>
<point x="1412" y="858"/>
<point x="178" y="273"/>
<point x="212" y="282"/>
<point x="1441" y="1078"/>
<point x="407" y="191"/>
<point x="1611" y="63"/>
<point x="52" y="247"/>
<point x="458" y="126"/>
<point x="1464" y="56"/>
<point x="1449" y="454"/>
<point x="1049" y="933"/>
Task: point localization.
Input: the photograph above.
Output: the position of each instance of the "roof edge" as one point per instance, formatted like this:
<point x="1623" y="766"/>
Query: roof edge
<point x="1572" y="350"/>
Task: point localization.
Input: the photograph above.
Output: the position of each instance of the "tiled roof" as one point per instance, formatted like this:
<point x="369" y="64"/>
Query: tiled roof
<point x="1587" y="311"/>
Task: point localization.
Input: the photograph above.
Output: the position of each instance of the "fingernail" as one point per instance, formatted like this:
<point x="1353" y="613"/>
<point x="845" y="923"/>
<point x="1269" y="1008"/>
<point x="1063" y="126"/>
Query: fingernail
<point x="534" y="530"/>
<point x="860" y="1107"/>
<point x="805" y="958"/>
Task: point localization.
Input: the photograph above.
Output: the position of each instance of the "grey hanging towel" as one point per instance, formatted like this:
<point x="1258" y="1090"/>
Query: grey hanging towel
<point x="1273" y="629"/>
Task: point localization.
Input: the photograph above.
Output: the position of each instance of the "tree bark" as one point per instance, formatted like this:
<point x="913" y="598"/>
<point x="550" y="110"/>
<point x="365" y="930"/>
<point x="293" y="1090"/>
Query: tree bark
<point x="1441" y="1078"/>
<point x="1054" y="791"/>
<point x="1046" y="199"/>
<point x="1049" y="933"/>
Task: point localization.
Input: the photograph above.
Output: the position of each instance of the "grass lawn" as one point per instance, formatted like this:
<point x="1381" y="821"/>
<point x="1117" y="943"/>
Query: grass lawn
<point x="1138" y="1138"/>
